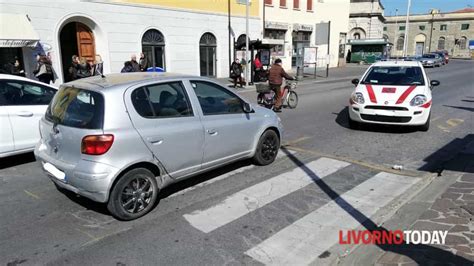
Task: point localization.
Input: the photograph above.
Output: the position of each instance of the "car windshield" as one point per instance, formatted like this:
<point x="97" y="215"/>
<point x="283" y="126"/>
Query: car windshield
<point x="77" y="108"/>
<point x="429" y="56"/>
<point x="394" y="75"/>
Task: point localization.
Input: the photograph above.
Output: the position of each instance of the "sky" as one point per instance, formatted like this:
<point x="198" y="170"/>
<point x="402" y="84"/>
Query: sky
<point x="424" y="6"/>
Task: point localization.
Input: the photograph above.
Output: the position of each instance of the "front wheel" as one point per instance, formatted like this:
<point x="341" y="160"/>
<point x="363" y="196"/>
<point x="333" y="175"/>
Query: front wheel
<point x="425" y="127"/>
<point x="134" y="195"/>
<point x="292" y="100"/>
<point x="267" y="148"/>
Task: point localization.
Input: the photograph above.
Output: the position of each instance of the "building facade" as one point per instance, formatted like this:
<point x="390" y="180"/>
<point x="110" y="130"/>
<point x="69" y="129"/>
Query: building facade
<point x="366" y="19"/>
<point x="432" y="32"/>
<point x="292" y="25"/>
<point x="189" y="37"/>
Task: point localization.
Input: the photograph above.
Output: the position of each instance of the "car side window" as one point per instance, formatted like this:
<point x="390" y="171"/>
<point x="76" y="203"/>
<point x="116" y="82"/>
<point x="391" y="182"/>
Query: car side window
<point x="162" y="100"/>
<point x="216" y="100"/>
<point x="17" y="92"/>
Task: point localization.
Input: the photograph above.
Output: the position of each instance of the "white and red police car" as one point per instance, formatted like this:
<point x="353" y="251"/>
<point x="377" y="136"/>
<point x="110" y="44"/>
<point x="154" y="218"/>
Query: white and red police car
<point x="392" y="92"/>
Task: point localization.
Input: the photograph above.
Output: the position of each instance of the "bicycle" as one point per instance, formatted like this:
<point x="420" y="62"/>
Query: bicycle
<point x="267" y="97"/>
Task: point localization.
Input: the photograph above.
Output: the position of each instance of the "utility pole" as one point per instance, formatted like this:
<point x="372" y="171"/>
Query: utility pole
<point x="407" y="27"/>
<point x="433" y="12"/>
<point x="396" y="29"/>
<point x="229" y="28"/>
<point x="247" y="65"/>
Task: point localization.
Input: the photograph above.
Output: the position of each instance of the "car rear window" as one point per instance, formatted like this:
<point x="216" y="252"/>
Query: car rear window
<point x="79" y="108"/>
<point x="394" y="75"/>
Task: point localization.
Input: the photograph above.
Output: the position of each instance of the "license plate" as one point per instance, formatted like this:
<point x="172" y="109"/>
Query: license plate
<point x="54" y="171"/>
<point x="389" y="90"/>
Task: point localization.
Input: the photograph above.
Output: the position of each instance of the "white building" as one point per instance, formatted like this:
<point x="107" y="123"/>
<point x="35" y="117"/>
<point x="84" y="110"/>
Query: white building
<point x="366" y="19"/>
<point x="180" y="36"/>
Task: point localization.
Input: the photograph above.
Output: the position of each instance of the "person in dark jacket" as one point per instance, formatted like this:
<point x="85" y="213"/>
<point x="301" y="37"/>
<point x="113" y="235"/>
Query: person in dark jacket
<point x="98" y="67"/>
<point x="44" y="70"/>
<point x="72" y="70"/>
<point x="83" y="69"/>
<point x="135" y="65"/>
<point x="127" y="67"/>
<point x="143" y="63"/>
<point x="236" y="72"/>
<point x="275" y="79"/>
<point x="17" y="69"/>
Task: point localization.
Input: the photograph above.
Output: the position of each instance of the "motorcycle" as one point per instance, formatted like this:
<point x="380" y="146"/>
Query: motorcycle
<point x="267" y="97"/>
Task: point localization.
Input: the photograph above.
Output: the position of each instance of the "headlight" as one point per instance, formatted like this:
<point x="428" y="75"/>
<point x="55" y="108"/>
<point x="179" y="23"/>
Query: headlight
<point x="430" y="62"/>
<point x="418" y="100"/>
<point x="357" y="97"/>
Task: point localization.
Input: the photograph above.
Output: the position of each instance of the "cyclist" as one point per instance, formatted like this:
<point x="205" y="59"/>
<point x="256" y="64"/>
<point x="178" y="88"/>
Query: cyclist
<point x="275" y="79"/>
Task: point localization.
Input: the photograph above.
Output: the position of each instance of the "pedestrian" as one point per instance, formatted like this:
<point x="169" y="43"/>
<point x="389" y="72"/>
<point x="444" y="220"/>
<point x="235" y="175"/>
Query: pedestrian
<point x="127" y="67"/>
<point x="98" y="67"/>
<point x="83" y="68"/>
<point x="135" y="65"/>
<point x="257" y="67"/>
<point x="72" y="70"/>
<point x="143" y="63"/>
<point x="348" y="57"/>
<point x="17" y="68"/>
<point x="44" y="69"/>
<point x="275" y="79"/>
<point x="236" y="72"/>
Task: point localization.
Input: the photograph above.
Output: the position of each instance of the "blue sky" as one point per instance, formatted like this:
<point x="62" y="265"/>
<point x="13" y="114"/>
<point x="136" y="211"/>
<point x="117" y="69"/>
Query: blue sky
<point x="423" y="6"/>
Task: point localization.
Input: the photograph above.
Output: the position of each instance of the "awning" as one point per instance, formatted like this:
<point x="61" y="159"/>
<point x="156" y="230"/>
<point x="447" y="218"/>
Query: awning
<point x="369" y="42"/>
<point x="17" y="31"/>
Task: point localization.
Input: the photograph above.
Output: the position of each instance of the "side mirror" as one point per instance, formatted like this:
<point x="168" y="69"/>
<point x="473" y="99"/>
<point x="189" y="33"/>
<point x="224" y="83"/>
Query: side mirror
<point x="434" y="83"/>
<point x="247" y="107"/>
<point x="355" y="81"/>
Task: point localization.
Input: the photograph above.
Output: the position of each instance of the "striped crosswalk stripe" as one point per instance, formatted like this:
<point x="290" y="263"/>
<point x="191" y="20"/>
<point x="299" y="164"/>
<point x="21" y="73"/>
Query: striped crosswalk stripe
<point x="303" y="241"/>
<point x="261" y="194"/>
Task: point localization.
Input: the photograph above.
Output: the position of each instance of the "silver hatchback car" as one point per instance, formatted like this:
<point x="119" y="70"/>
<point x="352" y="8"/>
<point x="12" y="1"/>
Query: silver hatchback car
<point x="120" y="139"/>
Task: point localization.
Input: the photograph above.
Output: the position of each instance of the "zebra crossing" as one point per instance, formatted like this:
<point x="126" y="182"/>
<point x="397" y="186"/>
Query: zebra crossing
<point x="301" y="242"/>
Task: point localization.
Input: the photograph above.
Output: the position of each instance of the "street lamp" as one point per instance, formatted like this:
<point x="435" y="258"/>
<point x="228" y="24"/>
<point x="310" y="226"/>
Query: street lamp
<point x="405" y="42"/>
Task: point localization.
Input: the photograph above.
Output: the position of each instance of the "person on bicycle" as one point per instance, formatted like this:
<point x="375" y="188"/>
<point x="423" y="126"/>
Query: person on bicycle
<point x="275" y="79"/>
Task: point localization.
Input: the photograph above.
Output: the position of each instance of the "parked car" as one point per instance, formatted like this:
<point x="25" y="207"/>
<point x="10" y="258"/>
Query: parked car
<point x="119" y="139"/>
<point x="22" y="103"/>
<point x="393" y="93"/>
<point x="413" y="58"/>
<point x="444" y="56"/>
<point x="431" y="60"/>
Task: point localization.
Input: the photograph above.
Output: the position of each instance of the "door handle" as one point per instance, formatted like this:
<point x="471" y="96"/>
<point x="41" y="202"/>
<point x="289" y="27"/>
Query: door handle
<point x="155" y="140"/>
<point x="211" y="132"/>
<point x="25" y="114"/>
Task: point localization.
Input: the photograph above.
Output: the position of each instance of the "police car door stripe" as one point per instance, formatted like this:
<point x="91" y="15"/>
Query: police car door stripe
<point x="405" y="94"/>
<point x="303" y="241"/>
<point x="261" y="194"/>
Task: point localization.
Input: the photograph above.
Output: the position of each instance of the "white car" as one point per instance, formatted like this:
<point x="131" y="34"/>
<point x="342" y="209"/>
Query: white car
<point x="22" y="104"/>
<point x="394" y="93"/>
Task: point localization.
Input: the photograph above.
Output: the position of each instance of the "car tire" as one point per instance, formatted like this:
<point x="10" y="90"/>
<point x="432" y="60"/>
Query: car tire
<point x="134" y="194"/>
<point x="267" y="148"/>
<point x="353" y="124"/>
<point x="425" y="127"/>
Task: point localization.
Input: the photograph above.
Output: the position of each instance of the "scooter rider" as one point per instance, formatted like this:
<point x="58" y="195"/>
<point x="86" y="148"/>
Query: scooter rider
<point x="275" y="79"/>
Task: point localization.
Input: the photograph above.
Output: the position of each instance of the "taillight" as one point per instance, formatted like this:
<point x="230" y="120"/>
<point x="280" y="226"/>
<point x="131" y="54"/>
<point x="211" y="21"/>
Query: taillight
<point x="96" y="144"/>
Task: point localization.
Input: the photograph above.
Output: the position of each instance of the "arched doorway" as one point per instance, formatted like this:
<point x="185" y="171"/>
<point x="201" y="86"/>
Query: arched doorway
<point x="207" y="54"/>
<point x="153" y="46"/>
<point x="76" y="39"/>
<point x="420" y="40"/>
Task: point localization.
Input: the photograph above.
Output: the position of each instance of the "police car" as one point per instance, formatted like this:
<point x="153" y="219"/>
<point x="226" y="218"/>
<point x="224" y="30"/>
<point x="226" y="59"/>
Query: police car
<point x="394" y="93"/>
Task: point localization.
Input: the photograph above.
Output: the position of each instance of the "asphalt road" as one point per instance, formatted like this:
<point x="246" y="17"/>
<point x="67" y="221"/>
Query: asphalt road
<point x="40" y="225"/>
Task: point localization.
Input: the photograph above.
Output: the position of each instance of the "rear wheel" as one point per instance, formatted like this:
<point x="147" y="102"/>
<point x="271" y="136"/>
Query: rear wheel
<point x="292" y="100"/>
<point x="134" y="194"/>
<point x="267" y="148"/>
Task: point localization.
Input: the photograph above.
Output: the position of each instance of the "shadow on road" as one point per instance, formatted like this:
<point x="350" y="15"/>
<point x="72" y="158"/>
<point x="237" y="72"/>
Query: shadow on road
<point x="342" y="119"/>
<point x="421" y="254"/>
<point x="16" y="160"/>
<point x="470" y="109"/>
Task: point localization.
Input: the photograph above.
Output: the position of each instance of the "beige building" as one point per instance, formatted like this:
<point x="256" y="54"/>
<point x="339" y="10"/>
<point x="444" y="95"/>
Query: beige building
<point x="431" y="32"/>
<point x="292" y="26"/>
<point x="366" y="19"/>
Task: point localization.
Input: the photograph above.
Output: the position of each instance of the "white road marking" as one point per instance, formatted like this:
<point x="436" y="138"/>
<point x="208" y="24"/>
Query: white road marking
<point x="259" y="195"/>
<point x="224" y="176"/>
<point x="303" y="241"/>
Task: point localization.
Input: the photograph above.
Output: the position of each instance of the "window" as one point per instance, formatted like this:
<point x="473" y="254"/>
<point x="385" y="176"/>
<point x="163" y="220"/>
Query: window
<point x="382" y="75"/>
<point x="443" y="27"/>
<point x="162" y="100"/>
<point x="24" y="93"/>
<point x="462" y="43"/>
<point x="296" y="4"/>
<point x="309" y="5"/>
<point x="74" y="107"/>
<point x="356" y="36"/>
<point x="277" y="50"/>
<point x="401" y="28"/>
<point x="268" y="2"/>
<point x="216" y="100"/>
<point x="384" y="28"/>
<point x="441" y="43"/>
<point x="400" y="43"/>
<point x="464" y="26"/>
<point x="282" y="3"/>
<point x="153" y="46"/>
<point x="422" y="27"/>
